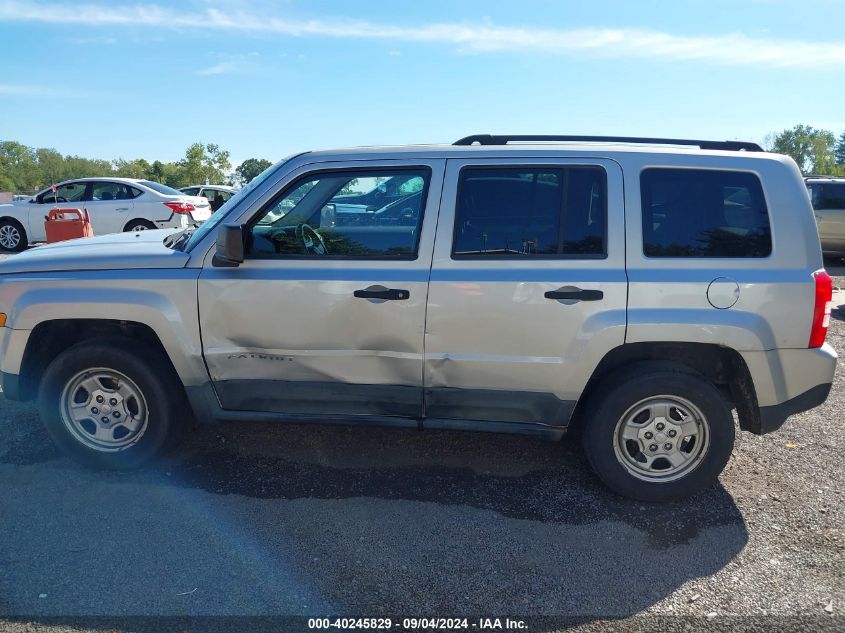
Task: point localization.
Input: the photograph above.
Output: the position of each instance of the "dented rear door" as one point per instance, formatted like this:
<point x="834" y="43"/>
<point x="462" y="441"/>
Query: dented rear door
<point x="528" y="287"/>
<point x="325" y="335"/>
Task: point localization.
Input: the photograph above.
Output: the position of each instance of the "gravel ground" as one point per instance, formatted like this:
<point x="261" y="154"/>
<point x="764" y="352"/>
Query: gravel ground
<point x="257" y="519"/>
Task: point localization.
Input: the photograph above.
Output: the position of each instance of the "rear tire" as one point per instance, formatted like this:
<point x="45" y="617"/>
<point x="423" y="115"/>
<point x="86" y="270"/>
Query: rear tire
<point x="110" y="404"/>
<point x="138" y="225"/>
<point x="13" y="237"/>
<point x="658" y="432"/>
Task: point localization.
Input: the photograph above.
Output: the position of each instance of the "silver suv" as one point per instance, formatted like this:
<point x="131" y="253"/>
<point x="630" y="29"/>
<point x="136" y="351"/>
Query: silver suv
<point x="637" y="290"/>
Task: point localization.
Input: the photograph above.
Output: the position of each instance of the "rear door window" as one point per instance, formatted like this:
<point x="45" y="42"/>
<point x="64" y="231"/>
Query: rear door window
<point x="703" y="213"/>
<point x="107" y="191"/>
<point x="831" y="196"/>
<point x="519" y="212"/>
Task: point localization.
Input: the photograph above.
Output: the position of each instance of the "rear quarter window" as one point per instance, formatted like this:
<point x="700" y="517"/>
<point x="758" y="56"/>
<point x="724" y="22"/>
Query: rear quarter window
<point x="704" y="213"/>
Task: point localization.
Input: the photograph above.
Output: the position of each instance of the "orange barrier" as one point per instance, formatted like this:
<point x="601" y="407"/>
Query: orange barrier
<point x="60" y="227"/>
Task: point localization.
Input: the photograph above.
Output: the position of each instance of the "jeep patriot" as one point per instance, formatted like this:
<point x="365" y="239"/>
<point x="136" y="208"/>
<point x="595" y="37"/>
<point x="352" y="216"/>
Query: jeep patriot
<point x="638" y="291"/>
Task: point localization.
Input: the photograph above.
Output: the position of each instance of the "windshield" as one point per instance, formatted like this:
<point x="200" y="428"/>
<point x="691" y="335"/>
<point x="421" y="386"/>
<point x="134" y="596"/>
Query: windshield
<point x="157" y="186"/>
<point x="216" y="217"/>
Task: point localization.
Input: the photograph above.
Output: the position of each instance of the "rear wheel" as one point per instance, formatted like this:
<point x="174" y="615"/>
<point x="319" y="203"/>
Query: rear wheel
<point x="658" y="432"/>
<point x="12" y="236"/>
<point x="110" y="405"/>
<point x="139" y="225"/>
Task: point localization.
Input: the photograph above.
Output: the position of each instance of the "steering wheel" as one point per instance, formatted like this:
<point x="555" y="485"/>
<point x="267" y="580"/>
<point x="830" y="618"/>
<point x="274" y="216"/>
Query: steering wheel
<point x="313" y="241"/>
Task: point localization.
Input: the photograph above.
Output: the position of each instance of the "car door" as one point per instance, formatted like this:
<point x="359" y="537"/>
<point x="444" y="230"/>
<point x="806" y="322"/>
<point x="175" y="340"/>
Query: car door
<point x="110" y="206"/>
<point x="320" y="318"/>
<point x="829" y="205"/>
<point x="216" y="197"/>
<point x="69" y="195"/>
<point x="528" y="288"/>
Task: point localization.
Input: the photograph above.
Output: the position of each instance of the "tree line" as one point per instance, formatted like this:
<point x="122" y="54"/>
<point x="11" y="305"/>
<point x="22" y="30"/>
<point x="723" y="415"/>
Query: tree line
<point x="26" y="170"/>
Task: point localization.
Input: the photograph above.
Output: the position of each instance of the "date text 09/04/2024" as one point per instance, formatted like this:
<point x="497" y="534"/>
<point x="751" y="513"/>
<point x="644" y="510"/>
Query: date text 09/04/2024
<point x="482" y="624"/>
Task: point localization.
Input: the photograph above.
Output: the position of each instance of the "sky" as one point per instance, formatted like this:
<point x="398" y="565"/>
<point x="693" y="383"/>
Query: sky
<point x="110" y="79"/>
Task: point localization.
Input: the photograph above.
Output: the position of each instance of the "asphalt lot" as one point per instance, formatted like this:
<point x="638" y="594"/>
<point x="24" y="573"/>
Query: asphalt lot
<point x="260" y="519"/>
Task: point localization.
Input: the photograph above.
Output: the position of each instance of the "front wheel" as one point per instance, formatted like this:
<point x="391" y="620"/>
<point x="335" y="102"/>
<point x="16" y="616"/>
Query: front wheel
<point x="12" y="236"/>
<point x="110" y="405"/>
<point x="658" y="432"/>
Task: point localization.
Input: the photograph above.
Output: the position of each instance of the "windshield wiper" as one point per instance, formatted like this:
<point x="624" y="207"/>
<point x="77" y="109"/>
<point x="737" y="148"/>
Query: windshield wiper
<point x="177" y="240"/>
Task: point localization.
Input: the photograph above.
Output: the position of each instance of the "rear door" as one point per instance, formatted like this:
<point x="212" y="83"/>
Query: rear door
<point x="528" y="288"/>
<point x="110" y="205"/>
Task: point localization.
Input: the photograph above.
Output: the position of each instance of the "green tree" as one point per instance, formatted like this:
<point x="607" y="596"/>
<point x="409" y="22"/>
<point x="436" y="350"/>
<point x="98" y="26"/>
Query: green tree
<point x="138" y="168"/>
<point x="250" y="168"/>
<point x="204" y="164"/>
<point x="51" y="165"/>
<point x="811" y="148"/>
<point x="839" y="151"/>
<point x="19" y="170"/>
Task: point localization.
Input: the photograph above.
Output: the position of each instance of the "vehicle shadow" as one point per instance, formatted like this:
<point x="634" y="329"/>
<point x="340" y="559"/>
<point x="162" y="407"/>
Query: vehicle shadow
<point x="381" y="521"/>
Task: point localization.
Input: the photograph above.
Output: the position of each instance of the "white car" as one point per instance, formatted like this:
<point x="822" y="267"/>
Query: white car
<point x="114" y="205"/>
<point x="217" y="195"/>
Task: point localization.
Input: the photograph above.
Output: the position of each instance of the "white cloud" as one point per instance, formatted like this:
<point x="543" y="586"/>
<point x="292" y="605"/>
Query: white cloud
<point x="219" y="69"/>
<point x="486" y="37"/>
<point x="26" y="90"/>
<point x="231" y="63"/>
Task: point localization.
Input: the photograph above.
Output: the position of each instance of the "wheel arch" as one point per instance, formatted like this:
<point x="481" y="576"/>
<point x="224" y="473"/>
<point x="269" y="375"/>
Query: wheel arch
<point x="136" y="221"/>
<point x="722" y="366"/>
<point x="52" y="337"/>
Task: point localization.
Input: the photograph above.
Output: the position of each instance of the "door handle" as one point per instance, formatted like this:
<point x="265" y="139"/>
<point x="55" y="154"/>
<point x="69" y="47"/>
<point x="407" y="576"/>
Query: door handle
<point x="378" y="292"/>
<point x="576" y="294"/>
<point x="122" y="209"/>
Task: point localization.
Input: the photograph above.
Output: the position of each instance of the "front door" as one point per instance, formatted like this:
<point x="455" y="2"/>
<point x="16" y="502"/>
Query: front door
<point x="528" y="287"/>
<point x="70" y="195"/>
<point x="326" y="314"/>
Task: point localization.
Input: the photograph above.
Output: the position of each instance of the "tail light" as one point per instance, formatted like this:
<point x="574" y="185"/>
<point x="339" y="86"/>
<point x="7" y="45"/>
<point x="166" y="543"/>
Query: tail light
<point x="180" y="207"/>
<point x="822" y="307"/>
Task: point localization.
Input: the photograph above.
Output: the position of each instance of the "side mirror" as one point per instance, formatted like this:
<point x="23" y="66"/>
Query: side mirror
<point x="230" y="246"/>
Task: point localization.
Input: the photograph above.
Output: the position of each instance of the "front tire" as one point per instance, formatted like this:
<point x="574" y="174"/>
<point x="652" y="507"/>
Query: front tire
<point x="13" y="237"/>
<point x="110" y="405"/>
<point x="658" y="432"/>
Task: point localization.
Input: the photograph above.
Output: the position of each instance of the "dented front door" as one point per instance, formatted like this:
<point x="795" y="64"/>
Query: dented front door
<point x="322" y="335"/>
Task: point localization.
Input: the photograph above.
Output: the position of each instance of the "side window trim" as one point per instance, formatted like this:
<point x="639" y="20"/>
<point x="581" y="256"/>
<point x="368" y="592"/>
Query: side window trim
<point x="291" y="186"/>
<point x="563" y="167"/>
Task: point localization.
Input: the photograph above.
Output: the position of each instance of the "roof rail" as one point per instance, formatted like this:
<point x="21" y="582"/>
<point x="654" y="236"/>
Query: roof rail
<point x="504" y="139"/>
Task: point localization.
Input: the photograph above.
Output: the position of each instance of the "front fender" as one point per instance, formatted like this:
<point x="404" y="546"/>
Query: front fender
<point x="165" y="301"/>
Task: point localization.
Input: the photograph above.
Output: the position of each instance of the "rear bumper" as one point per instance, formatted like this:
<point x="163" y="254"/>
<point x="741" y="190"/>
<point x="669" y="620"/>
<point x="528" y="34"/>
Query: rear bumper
<point x="780" y="375"/>
<point x="773" y="417"/>
<point x="786" y="382"/>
